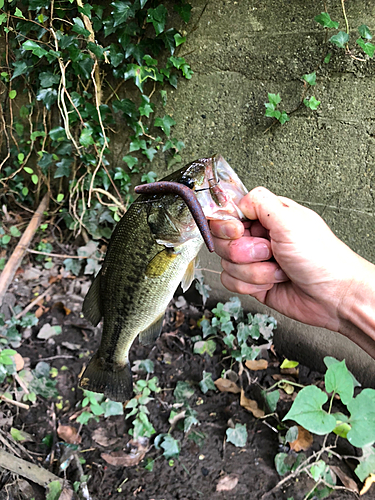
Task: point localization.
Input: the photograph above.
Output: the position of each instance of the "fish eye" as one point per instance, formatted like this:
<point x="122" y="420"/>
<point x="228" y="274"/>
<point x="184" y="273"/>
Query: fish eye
<point x="188" y="183"/>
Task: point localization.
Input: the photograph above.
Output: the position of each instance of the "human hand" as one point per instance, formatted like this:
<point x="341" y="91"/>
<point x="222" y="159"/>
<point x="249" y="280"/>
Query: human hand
<point x="288" y="258"/>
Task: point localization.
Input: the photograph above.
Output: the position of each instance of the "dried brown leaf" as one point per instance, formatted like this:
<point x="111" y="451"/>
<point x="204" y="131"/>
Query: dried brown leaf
<point x="369" y="481"/>
<point x="251" y="406"/>
<point x="225" y="385"/>
<point x="227" y="483"/>
<point x="278" y="377"/>
<point x="257" y="364"/>
<point x="304" y="440"/>
<point x="347" y="481"/>
<point x="19" y="361"/>
<point x="294" y="372"/>
<point x="69" y="434"/>
<point x="122" y="459"/>
<point x="101" y="437"/>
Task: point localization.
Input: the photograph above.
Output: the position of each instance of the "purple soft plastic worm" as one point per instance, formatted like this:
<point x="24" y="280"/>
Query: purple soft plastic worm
<point x="189" y="197"/>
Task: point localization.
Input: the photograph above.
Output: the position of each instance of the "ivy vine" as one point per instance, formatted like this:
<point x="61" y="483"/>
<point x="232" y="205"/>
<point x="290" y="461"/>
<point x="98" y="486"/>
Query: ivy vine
<point x="67" y="67"/>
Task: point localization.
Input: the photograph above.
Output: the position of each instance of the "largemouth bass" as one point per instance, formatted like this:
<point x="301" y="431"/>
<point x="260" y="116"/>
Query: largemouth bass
<point x="152" y="250"/>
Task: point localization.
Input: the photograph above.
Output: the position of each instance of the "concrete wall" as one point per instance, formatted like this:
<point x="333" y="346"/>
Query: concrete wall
<point x="240" y="51"/>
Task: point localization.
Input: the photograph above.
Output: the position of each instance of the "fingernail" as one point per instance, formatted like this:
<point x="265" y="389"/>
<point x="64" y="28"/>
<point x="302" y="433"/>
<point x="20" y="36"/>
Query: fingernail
<point x="280" y="275"/>
<point x="229" y="231"/>
<point x="260" y="251"/>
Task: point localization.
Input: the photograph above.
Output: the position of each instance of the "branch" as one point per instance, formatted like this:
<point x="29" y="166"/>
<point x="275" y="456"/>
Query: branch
<point x="15" y="259"/>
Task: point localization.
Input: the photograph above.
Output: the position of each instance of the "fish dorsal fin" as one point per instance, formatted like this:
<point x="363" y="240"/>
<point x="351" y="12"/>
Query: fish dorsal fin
<point x="160" y="263"/>
<point x="151" y="333"/>
<point x="188" y="276"/>
<point x="92" y="305"/>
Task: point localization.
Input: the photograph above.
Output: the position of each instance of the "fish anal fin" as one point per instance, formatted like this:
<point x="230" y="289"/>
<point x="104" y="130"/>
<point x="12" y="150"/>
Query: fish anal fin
<point x="92" y="306"/>
<point x="188" y="276"/>
<point x="151" y="333"/>
<point x="114" y="381"/>
<point x="160" y="263"/>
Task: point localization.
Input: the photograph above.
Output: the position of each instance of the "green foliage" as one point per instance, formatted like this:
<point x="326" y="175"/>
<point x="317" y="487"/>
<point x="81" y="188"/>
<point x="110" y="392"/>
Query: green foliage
<point x="10" y="329"/>
<point x="237" y="435"/>
<point x="98" y="405"/>
<point x="142" y="427"/>
<point x="170" y="445"/>
<point x="228" y="318"/>
<point x="325" y="20"/>
<point x="272" y="111"/>
<point x="207" y="384"/>
<point x="65" y="63"/>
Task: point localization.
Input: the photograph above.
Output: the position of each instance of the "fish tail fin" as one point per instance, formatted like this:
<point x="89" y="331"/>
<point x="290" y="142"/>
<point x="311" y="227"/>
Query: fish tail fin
<point x="114" y="381"/>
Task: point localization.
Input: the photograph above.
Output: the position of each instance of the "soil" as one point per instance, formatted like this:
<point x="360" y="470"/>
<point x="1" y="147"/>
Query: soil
<point x="200" y="466"/>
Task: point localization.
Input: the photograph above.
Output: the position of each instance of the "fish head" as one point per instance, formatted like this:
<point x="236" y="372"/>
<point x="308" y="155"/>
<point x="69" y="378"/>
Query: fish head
<point x="221" y="190"/>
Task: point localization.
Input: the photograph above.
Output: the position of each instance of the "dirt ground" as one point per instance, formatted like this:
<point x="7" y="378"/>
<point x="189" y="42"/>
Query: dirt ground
<point x="203" y="461"/>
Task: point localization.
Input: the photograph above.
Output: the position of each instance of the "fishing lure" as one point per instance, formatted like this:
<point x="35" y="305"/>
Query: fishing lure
<point x="189" y="197"/>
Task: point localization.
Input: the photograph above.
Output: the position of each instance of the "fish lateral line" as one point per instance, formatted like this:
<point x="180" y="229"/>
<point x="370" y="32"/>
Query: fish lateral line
<point x="191" y="200"/>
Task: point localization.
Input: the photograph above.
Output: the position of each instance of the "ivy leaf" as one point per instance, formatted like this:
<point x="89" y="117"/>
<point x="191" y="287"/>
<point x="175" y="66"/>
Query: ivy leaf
<point x="367" y="47"/>
<point x="121" y="12"/>
<point x="272" y="399"/>
<point x="365" y="32"/>
<point x="281" y="464"/>
<point x="341" y="39"/>
<point x="325" y="20"/>
<point x="79" y="27"/>
<point x="137" y="144"/>
<point x="150" y="153"/>
<point x="238" y="435"/>
<point x="18" y="13"/>
<point x="63" y="168"/>
<point x="146" y="108"/>
<point x="205" y="346"/>
<point x="130" y="161"/>
<point x="35" y="48"/>
<point x="20" y="69"/>
<point x="207" y="384"/>
<point x="165" y="124"/>
<point x="310" y="78"/>
<point x="307" y="411"/>
<point x="149" y="60"/>
<point x="48" y="96"/>
<point x="274" y="99"/>
<point x="158" y="18"/>
<point x="338" y="380"/>
<point x="48" y="79"/>
<point x="170" y="445"/>
<point x="362" y="419"/>
<point x="311" y="103"/>
<point x="86" y="138"/>
<point x="179" y="39"/>
<point x="184" y="11"/>
<point x="283" y="118"/>
<point x="183" y="391"/>
<point x="73" y="265"/>
<point x="54" y="490"/>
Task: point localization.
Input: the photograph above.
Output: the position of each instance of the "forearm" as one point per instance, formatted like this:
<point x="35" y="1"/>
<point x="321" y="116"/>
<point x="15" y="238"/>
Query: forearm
<point x="358" y="311"/>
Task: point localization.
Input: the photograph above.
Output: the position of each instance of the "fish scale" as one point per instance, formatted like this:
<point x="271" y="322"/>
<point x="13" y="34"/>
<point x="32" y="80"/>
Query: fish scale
<point x="152" y="249"/>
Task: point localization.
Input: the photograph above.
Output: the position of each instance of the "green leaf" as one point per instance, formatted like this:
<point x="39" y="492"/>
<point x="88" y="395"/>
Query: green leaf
<point x="179" y="39"/>
<point x="86" y="138"/>
<point x="184" y="11"/>
<point x="15" y="232"/>
<point x="205" y="346"/>
<point x="35" y="48"/>
<point x="48" y="96"/>
<point x="367" y="47"/>
<point x="54" y="490"/>
<point x="311" y="103"/>
<point x="362" y="419"/>
<point x="338" y="380"/>
<point x="325" y="20"/>
<point x="85" y="417"/>
<point x="112" y="408"/>
<point x="170" y="445"/>
<point x="60" y="197"/>
<point x="20" y="68"/>
<point x="34" y="179"/>
<point x="18" y="13"/>
<point x="283" y="118"/>
<point x="318" y="469"/>
<point x="288" y="364"/>
<point x="130" y="161"/>
<point x="183" y="392"/>
<point x="274" y="99"/>
<point x="158" y="18"/>
<point x="121" y="12"/>
<point x="79" y="27"/>
<point x="367" y="463"/>
<point x="149" y="61"/>
<point x="150" y="153"/>
<point x="310" y="78"/>
<point x="149" y="176"/>
<point x="307" y="411"/>
<point x="327" y="58"/>
<point x="63" y="168"/>
<point x="329" y="361"/>
<point x="73" y="265"/>
<point x="207" y="384"/>
<point x="165" y="124"/>
<point x="341" y="39"/>
<point x="47" y="79"/>
<point x="272" y="399"/>
<point x="281" y="464"/>
<point x="238" y="435"/>
<point x="365" y="32"/>
<point x="12" y="94"/>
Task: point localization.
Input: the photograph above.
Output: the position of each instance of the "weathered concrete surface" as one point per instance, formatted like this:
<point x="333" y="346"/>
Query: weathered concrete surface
<point x="240" y="51"/>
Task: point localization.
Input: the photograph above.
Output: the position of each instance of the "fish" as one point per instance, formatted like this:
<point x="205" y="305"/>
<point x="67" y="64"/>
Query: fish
<point x="152" y="250"/>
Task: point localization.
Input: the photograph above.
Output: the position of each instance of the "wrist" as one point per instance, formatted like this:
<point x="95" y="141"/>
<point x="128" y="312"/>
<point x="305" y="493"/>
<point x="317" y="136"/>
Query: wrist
<point x="357" y="309"/>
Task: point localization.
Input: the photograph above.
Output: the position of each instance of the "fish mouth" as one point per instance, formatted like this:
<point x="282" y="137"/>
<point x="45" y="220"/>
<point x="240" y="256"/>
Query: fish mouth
<point x="221" y="191"/>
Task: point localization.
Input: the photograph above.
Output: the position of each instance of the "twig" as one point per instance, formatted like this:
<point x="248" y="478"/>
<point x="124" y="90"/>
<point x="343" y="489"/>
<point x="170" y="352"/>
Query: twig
<point x="14" y="403"/>
<point x="8" y="445"/>
<point x="61" y="356"/>
<point x="34" y="302"/>
<point x="63" y="256"/>
<point x="15" y="259"/>
<point x="83" y="484"/>
<point x="21" y="383"/>
<point x="28" y="470"/>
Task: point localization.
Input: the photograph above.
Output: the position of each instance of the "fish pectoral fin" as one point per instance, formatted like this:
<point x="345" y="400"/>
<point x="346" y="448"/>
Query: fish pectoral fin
<point x="92" y="305"/>
<point x="160" y="263"/>
<point x="188" y="276"/>
<point x="151" y="333"/>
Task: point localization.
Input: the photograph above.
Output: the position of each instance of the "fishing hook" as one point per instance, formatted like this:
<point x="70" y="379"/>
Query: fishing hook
<point x="189" y="197"/>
